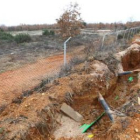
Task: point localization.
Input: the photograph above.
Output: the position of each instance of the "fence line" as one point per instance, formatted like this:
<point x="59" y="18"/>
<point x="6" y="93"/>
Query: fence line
<point x="125" y="35"/>
<point x="115" y="39"/>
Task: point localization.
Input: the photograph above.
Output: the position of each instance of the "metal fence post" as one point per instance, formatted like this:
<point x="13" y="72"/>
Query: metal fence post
<point x="117" y="36"/>
<point x="125" y="33"/>
<point x="129" y="34"/>
<point x="103" y="40"/>
<point x="65" y="47"/>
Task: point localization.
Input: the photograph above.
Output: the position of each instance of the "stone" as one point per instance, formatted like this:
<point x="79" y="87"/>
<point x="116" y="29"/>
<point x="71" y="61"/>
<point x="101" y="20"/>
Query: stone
<point x="136" y="130"/>
<point x="71" y="112"/>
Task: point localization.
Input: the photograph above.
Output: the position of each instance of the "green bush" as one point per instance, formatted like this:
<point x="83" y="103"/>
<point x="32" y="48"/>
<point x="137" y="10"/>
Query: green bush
<point x="1" y="30"/>
<point x="6" y="36"/>
<point x="84" y="24"/>
<point x="47" y="33"/>
<point x="52" y="32"/>
<point x="21" y="38"/>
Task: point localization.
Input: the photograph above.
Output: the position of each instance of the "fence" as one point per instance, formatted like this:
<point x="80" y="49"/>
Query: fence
<point x="117" y="37"/>
<point x="50" y="69"/>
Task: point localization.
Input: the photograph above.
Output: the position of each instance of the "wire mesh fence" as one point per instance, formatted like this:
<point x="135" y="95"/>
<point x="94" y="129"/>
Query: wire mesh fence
<point x="52" y="67"/>
<point x="119" y="38"/>
<point x="20" y="82"/>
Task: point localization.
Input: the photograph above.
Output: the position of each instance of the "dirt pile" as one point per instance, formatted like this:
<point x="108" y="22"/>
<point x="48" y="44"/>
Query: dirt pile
<point x="136" y="39"/>
<point x="130" y="57"/>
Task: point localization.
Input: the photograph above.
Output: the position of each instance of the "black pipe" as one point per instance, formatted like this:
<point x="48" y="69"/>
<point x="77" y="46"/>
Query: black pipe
<point x="125" y="73"/>
<point x="106" y="107"/>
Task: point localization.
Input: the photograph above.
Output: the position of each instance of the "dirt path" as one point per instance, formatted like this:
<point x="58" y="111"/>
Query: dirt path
<point x="12" y="83"/>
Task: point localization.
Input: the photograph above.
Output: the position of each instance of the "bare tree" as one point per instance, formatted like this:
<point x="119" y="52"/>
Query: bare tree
<point x="70" y="21"/>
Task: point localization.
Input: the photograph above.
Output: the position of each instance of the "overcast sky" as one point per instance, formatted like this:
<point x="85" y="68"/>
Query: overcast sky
<point x="15" y="12"/>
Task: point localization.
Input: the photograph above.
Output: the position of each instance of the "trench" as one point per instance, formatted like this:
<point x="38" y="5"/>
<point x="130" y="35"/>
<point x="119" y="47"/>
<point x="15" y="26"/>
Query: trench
<point x="90" y="108"/>
<point x="116" y="96"/>
<point x="131" y="60"/>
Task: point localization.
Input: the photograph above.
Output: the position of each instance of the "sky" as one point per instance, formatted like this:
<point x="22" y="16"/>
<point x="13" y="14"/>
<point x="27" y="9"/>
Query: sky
<point x="16" y="12"/>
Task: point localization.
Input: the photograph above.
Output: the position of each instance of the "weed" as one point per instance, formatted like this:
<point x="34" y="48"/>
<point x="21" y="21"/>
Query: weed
<point x="65" y="70"/>
<point x="77" y="60"/>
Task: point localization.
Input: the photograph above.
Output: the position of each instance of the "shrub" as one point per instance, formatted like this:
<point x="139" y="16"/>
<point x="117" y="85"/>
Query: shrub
<point x="77" y="60"/>
<point x="47" y="33"/>
<point x="6" y="36"/>
<point x="65" y="70"/>
<point x="1" y="30"/>
<point x="21" y="38"/>
<point x="52" y="32"/>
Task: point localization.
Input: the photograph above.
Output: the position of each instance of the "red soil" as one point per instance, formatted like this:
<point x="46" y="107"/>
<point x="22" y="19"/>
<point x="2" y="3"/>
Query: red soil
<point x="27" y="77"/>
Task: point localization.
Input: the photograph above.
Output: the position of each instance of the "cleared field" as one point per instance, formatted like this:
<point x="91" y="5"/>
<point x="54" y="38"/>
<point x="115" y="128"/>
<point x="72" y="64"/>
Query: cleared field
<point x="83" y="31"/>
<point x="32" y="33"/>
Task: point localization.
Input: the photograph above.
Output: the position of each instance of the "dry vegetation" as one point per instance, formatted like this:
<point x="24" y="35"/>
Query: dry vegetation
<point x="70" y="22"/>
<point x="97" y="26"/>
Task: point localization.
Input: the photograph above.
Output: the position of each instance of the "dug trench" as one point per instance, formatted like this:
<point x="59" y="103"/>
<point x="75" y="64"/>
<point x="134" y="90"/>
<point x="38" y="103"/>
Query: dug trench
<point x="38" y="116"/>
